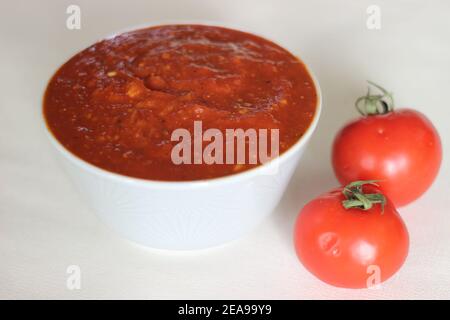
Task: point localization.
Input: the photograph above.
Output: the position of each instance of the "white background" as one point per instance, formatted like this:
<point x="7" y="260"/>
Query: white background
<point x="45" y="227"/>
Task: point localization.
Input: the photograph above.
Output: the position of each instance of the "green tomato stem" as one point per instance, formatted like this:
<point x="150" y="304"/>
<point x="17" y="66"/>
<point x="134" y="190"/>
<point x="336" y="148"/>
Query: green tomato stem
<point x="356" y="198"/>
<point x="375" y="104"/>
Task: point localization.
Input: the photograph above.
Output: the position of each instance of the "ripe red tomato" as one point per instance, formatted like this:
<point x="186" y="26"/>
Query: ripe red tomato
<point x="351" y="248"/>
<point x="400" y="148"/>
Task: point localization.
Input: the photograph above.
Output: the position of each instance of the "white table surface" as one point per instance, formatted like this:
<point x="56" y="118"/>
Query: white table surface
<point x="45" y="227"/>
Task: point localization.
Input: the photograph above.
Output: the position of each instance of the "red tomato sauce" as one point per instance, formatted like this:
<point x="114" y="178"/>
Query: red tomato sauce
<point x="116" y="103"/>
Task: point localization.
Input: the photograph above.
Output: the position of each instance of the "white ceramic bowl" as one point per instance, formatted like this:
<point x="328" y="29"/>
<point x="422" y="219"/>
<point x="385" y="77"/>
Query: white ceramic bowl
<point x="186" y="215"/>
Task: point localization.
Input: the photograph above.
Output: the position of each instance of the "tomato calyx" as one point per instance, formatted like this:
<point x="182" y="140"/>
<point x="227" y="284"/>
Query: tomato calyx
<point x="375" y="104"/>
<point x="356" y="198"/>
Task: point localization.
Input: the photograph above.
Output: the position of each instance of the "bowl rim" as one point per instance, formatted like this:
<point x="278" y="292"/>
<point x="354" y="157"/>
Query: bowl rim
<point x="182" y="184"/>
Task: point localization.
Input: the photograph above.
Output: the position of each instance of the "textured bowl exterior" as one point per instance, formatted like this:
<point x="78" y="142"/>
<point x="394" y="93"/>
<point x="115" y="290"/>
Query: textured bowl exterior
<point x="186" y="218"/>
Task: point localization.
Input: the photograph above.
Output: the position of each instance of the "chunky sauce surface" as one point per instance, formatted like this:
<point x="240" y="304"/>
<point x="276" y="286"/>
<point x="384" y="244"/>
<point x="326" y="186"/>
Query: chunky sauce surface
<point x="116" y="103"/>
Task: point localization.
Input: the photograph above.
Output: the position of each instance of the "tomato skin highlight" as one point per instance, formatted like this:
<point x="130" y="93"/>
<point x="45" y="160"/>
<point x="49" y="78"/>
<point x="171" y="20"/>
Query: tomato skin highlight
<point x="401" y="149"/>
<point x="340" y="245"/>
